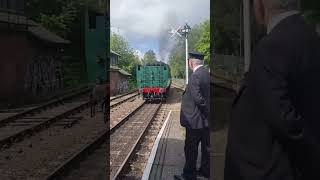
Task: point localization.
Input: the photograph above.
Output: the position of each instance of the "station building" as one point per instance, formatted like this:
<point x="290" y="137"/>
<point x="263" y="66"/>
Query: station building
<point x="119" y="78"/>
<point x="30" y="56"/>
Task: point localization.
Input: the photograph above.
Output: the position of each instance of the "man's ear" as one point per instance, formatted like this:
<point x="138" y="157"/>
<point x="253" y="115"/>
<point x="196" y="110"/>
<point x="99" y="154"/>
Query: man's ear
<point x="259" y="11"/>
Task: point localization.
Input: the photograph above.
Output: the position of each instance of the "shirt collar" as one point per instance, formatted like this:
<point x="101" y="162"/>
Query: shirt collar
<point x="278" y="18"/>
<point x="197" y="67"/>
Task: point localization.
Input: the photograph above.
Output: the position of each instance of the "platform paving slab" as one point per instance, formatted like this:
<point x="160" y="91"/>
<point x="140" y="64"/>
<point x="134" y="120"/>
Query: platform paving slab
<point x="170" y="159"/>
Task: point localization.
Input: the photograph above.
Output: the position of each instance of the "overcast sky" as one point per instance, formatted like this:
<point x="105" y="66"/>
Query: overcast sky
<point x="145" y="23"/>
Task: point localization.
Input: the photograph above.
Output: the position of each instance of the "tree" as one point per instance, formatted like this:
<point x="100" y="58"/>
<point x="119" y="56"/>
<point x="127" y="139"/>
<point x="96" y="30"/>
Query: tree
<point x="66" y="19"/>
<point x="226" y="23"/>
<point x="128" y="59"/>
<point x="149" y="57"/>
<point x="203" y="44"/>
<point x="199" y="40"/>
<point x="177" y="60"/>
<point x="56" y="15"/>
<point x="311" y="9"/>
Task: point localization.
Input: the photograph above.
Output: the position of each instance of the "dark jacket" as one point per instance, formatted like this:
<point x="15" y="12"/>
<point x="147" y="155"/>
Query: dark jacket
<point x="195" y="100"/>
<point x="275" y="123"/>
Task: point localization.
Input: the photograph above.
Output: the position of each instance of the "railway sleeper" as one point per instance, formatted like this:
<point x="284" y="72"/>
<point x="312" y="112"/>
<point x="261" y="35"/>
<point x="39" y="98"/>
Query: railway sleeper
<point x="68" y="123"/>
<point x="23" y="124"/>
<point x="27" y="121"/>
<point x="36" y="118"/>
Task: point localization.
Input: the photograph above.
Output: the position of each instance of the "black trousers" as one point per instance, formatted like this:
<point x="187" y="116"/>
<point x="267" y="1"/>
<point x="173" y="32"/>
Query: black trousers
<point x="193" y="138"/>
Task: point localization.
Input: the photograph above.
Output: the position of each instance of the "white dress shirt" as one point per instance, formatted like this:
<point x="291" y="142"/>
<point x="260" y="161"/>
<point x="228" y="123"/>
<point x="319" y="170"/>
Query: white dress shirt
<point x="197" y="67"/>
<point x="278" y="18"/>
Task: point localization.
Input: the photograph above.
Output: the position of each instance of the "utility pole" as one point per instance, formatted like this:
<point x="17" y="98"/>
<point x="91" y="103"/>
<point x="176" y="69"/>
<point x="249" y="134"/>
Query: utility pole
<point x="184" y="32"/>
<point x="187" y="67"/>
<point x="247" y="34"/>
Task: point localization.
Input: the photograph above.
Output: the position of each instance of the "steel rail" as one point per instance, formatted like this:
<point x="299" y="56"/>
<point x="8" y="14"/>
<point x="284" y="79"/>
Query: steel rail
<point x="41" y="107"/>
<point x="120" y="96"/>
<point x="124" y="100"/>
<point x="136" y="143"/>
<point x="65" y="167"/>
<point x="20" y="135"/>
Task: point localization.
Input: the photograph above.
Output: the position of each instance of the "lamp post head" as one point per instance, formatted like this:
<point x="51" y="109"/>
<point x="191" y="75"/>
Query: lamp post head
<point x="187" y="27"/>
<point x="181" y="31"/>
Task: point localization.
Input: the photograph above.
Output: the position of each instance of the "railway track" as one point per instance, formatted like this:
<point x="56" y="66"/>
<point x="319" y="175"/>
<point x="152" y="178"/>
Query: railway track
<point x="123" y="98"/>
<point x="125" y="139"/>
<point x="119" y="96"/>
<point x="42" y="107"/>
<point x="16" y="128"/>
<point x="122" y="139"/>
<point x="37" y="156"/>
<point x="136" y="164"/>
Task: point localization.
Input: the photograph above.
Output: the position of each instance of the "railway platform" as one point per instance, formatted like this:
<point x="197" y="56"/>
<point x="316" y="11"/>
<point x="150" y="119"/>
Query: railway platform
<point x="168" y="159"/>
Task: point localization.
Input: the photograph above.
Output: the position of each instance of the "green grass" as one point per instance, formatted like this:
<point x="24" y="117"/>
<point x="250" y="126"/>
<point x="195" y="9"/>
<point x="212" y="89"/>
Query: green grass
<point x="132" y="84"/>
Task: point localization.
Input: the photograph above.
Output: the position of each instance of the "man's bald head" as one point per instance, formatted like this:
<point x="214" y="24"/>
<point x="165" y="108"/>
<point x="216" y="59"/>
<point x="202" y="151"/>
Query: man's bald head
<point x="282" y="5"/>
<point x="194" y="62"/>
<point x="266" y="9"/>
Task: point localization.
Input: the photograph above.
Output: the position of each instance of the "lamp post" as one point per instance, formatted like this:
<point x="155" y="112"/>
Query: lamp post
<point x="185" y="32"/>
<point x="247" y="34"/>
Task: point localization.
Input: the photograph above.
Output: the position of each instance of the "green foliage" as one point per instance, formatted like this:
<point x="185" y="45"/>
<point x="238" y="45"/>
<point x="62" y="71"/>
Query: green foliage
<point x="127" y="60"/>
<point x="177" y="59"/>
<point x="311" y="9"/>
<point x="226" y="23"/>
<point x="132" y="84"/>
<point x="198" y="40"/>
<point x="149" y="57"/>
<point x="203" y="44"/>
<point x="66" y="19"/>
<point x="58" y="16"/>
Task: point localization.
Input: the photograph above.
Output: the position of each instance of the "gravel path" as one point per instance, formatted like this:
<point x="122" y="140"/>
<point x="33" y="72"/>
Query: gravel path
<point x="38" y="155"/>
<point x="119" y="112"/>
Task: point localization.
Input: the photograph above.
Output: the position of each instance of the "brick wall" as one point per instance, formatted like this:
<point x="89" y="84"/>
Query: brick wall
<point x="118" y="83"/>
<point x="13" y="55"/>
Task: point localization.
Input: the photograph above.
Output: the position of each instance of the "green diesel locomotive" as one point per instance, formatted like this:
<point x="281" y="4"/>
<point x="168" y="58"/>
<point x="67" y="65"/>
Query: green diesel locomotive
<point x="154" y="80"/>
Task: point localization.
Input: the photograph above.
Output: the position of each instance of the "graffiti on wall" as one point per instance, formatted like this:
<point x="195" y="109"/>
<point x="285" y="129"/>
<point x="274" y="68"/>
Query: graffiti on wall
<point x="43" y="76"/>
<point x="122" y="86"/>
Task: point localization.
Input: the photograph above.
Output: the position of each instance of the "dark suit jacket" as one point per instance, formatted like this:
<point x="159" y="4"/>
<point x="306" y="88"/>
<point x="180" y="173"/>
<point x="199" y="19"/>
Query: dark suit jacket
<point x="275" y="124"/>
<point x="195" y="100"/>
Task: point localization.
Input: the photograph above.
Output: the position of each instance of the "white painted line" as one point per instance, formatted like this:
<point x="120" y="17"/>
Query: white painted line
<point x="147" y="170"/>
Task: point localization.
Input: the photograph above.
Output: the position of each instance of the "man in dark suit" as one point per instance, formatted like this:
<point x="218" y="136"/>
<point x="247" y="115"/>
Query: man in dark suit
<point x="194" y="117"/>
<point x="274" y="128"/>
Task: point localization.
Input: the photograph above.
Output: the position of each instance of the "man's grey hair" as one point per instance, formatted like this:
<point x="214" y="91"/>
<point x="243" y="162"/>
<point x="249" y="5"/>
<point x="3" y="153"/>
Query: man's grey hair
<point x="287" y="5"/>
<point x="196" y="62"/>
